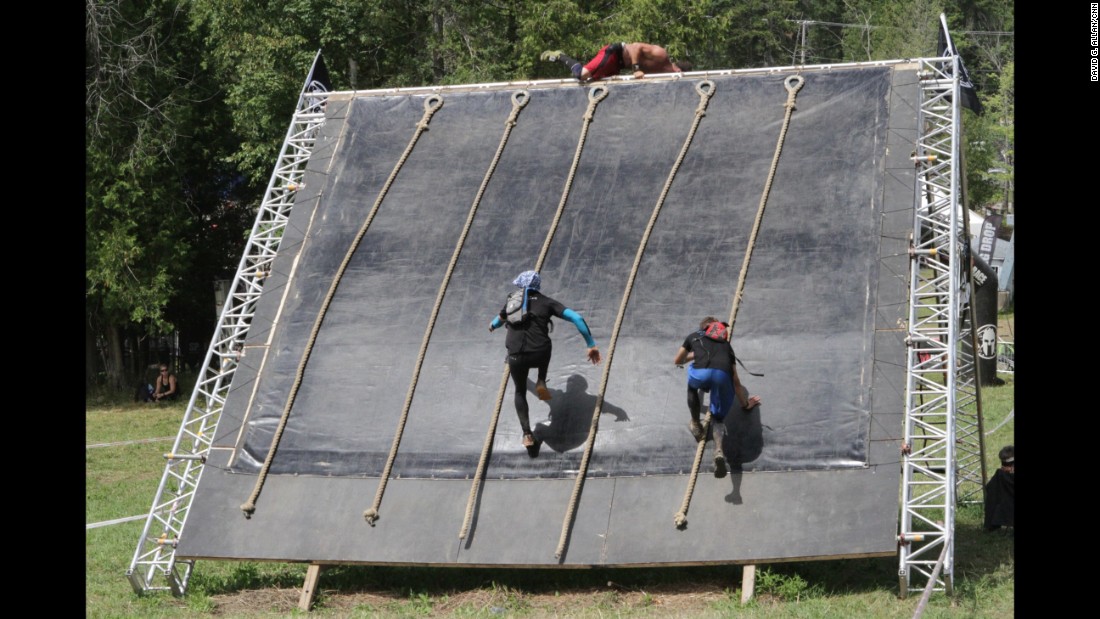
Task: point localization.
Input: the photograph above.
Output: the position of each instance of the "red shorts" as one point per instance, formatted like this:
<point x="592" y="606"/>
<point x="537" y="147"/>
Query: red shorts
<point x="608" y="61"/>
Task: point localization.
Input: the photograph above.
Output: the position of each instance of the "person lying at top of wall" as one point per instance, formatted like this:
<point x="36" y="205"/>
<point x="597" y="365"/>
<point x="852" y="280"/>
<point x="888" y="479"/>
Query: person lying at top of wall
<point x="641" y="58"/>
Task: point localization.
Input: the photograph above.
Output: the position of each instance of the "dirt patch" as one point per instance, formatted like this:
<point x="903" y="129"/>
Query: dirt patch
<point x="672" y="600"/>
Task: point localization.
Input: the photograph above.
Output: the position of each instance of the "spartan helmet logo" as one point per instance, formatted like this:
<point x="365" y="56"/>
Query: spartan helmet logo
<point x="987" y="341"/>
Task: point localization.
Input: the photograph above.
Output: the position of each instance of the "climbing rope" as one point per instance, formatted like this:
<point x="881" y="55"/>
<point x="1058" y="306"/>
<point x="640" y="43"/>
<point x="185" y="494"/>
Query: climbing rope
<point x="481" y="463"/>
<point x="793" y="84"/>
<point x="595" y="95"/>
<point x="431" y="105"/>
<point x="705" y="90"/>
<point x="519" y="100"/>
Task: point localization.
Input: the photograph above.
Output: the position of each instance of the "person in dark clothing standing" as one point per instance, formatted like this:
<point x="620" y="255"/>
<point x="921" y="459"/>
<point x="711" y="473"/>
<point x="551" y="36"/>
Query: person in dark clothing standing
<point x="711" y="369"/>
<point x="529" y="346"/>
<point x="1000" y="493"/>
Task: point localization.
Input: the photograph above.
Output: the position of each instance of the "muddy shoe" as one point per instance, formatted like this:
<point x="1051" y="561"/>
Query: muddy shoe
<point x="544" y="393"/>
<point x="532" y="444"/>
<point x="719" y="466"/>
<point x="696" y="430"/>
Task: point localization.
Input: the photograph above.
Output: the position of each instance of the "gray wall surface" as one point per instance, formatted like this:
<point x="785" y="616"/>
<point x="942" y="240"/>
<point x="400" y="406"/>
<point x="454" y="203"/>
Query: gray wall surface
<point x="815" y="466"/>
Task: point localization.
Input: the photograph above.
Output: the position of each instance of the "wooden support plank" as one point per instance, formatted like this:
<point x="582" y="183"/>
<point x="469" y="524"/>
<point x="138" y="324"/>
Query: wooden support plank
<point x="309" y="588"/>
<point x="748" y="583"/>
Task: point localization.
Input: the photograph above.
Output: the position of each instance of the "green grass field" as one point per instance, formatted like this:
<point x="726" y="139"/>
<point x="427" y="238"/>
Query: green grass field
<point x="124" y="463"/>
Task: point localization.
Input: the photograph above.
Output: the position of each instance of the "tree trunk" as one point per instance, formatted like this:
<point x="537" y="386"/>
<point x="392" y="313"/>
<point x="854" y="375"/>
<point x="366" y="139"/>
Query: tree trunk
<point x="115" y="376"/>
<point x="91" y="359"/>
<point x="438" y="67"/>
<point x="139" y="357"/>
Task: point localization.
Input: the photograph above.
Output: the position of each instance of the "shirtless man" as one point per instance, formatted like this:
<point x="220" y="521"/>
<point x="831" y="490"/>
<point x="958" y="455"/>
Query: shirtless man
<point x="642" y="58"/>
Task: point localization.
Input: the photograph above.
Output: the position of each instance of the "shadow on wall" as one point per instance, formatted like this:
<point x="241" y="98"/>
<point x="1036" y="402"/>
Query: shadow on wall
<point x="571" y="414"/>
<point x="744" y="440"/>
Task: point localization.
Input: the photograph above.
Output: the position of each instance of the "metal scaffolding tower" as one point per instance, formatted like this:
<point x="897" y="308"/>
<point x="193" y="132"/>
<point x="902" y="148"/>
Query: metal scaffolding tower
<point x="942" y="457"/>
<point x="156" y="550"/>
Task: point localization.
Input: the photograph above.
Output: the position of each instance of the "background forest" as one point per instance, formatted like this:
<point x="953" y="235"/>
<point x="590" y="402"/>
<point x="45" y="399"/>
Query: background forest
<point x="188" y="101"/>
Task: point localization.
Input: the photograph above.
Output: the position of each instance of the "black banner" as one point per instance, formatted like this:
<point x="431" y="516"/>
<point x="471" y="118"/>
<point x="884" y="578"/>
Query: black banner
<point x="987" y="238"/>
<point x="985" y="318"/>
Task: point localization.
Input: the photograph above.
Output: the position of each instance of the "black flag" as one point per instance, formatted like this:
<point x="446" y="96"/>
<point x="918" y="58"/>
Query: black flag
<point x="945" y="47"/>
<point x="318" y="78"/>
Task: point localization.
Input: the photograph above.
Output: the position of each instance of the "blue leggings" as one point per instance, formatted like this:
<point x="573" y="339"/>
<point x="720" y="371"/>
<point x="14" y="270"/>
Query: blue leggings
<point x="718" y="383"/>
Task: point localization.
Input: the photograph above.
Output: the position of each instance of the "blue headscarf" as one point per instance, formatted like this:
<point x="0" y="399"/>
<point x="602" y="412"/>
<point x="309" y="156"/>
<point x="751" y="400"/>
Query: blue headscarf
<point x="528" y="279"/>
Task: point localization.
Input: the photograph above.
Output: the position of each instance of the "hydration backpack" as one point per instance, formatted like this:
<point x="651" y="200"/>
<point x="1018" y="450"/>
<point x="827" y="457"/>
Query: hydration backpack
<point x="717" y="331"/>
<point x="516" y="307"/>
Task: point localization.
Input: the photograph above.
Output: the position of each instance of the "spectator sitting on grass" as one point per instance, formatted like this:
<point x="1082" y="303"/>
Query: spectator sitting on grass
<point x="166" y="387"/>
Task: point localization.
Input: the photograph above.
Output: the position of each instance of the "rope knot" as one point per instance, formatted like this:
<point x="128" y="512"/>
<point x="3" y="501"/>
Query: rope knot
<point x="371" y="515"/>
<point x="705" y="89"/>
